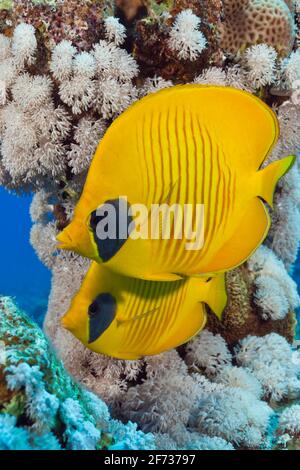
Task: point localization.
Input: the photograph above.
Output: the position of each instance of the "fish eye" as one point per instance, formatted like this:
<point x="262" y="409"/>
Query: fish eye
<point x="109" y="246"/>
<point x="95" y="219"/>
<point x="93" y="308"/>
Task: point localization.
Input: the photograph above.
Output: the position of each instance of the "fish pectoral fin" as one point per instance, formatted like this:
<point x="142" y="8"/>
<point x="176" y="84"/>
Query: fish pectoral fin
<point x="269" y="176"/>
<point x="167" y="198"/>
<point x="123" y="320"/>
<point x="247" y="237"/>
<point x="153" y="209"/>
<point x="216" y="296"/>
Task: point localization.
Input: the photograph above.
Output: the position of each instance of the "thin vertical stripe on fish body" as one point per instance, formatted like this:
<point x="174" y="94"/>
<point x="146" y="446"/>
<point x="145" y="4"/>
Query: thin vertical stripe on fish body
<point x="149" y="317"/>
<point x="188" y="144"/>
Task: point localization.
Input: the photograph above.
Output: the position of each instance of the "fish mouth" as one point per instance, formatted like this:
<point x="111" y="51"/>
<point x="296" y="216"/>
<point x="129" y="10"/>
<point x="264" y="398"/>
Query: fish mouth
<point x="65" y="241"/>
<point x="67" y="323"/>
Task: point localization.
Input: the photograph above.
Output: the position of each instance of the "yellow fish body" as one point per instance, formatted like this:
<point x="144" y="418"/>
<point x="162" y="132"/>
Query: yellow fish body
<point x="128" y="318"/>
<point x="189" y="144"/>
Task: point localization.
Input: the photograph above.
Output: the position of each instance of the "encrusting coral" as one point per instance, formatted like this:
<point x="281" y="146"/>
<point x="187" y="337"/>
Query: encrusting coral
<point x="249" y="22"/>
<point x="67" y="69"/>
<point x="41" y="406"/>
<point x="204" y="401"/>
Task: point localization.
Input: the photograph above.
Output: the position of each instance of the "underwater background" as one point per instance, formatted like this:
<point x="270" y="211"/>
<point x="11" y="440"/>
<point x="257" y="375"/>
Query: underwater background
<point x="68" y="69"/>
<point x="23" y="276"/>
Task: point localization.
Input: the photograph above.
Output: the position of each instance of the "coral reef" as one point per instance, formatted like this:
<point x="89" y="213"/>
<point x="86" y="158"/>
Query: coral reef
<point x="67" y="69"/>
<point x="41" y="406"/>
<point x="252" y="307"/>
<point x="210" y="399"/>
<point x="249" y="22"/>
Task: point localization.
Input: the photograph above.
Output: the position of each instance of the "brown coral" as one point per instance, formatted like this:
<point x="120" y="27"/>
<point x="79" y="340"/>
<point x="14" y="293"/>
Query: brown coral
<point x="150" y="43"/>
<point x="240" y="317"/>
<point x="74" y="20"/>
<point x="130" y="10"/>
<point x="248" y="22"/>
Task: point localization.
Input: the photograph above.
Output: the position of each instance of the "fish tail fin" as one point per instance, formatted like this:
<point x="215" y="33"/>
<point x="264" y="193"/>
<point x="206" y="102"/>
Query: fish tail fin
<point x="216" y="295"/>
<point x="270" y="175"/>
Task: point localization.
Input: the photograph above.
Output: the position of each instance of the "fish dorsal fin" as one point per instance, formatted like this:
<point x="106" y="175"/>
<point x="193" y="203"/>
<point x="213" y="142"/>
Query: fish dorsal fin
<point x="269" y="176"/>
<point x="248" y="235"/>
<point x="243" y="124"/>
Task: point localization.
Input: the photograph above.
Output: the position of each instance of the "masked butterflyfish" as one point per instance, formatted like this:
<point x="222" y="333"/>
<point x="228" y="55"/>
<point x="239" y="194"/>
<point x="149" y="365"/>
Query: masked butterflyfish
<point x="128" y="317"/>
<point x="188" y="146"/>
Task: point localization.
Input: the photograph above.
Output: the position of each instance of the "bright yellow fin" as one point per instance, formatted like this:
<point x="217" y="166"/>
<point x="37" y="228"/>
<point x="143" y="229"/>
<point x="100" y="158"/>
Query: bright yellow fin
<point x="269" y="176"/>
<point x="216" y="296"/>
<point x="251" y="232"/>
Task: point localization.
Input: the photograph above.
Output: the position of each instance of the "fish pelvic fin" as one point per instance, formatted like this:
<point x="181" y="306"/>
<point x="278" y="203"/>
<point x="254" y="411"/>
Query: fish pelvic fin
<point x="270" y="175"/>
<point x="216" y="295"/>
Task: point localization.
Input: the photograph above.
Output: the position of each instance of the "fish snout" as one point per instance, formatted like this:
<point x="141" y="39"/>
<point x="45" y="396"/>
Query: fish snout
<point x="76" y="322"/>
<point x="65" y="240"/>
<point x="76" y="237"/>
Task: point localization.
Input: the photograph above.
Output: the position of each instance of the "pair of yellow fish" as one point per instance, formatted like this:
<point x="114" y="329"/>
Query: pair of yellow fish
<point x="188" y="144"/>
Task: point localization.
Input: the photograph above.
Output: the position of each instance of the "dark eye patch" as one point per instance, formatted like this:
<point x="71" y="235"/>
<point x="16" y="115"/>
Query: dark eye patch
<point x="94" y="220"/>
<point x="101" y="313"/>
<point x="93" y="308"/>
<point x="108" y="247"/>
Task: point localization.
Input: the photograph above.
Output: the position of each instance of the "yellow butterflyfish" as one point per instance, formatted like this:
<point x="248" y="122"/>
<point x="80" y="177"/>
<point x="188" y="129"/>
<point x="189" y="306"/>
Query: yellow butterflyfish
<point x="128" y="318"/>
<point x="185" y="146"/>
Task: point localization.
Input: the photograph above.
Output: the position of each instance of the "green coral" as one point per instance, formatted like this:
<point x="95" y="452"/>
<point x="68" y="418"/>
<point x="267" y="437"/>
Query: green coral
<point x="8" y="4"/>
<point x="5" y="4"/>
<point x="41" y="406"/>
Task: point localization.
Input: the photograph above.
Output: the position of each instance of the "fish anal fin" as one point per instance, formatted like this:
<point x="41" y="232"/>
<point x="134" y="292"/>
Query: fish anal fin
<point x="269" y="176"/>
<point x="247" y="237"/>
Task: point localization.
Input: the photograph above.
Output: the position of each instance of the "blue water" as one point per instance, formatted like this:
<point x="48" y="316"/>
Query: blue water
<point x="22" y="275"/>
